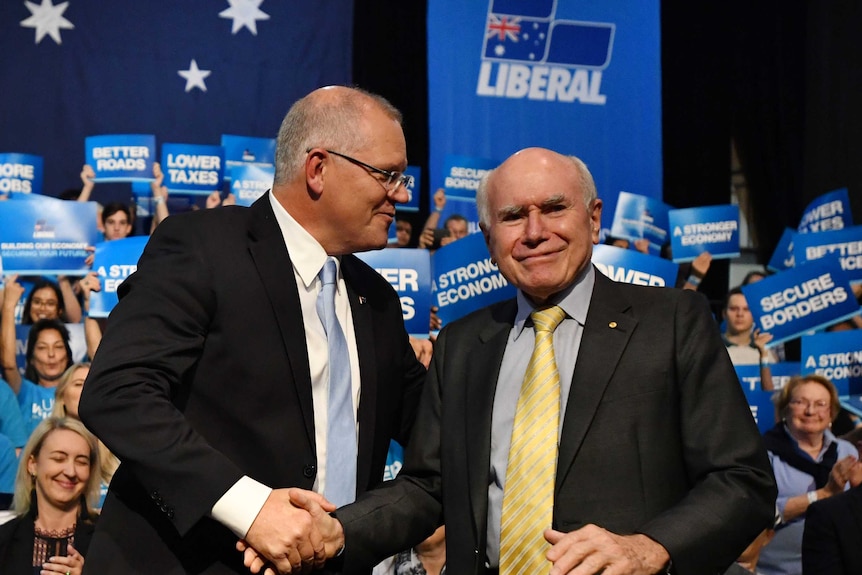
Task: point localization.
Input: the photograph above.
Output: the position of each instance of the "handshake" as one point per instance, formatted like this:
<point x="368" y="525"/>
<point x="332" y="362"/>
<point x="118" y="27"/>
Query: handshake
<point x="293" y="533"/>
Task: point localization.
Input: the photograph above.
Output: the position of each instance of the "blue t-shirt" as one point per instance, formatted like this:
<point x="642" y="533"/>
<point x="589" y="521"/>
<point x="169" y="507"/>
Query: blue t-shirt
<point x="8" y="465"/>
<point x="11" y="423"/>
<point x="36" y="403"/>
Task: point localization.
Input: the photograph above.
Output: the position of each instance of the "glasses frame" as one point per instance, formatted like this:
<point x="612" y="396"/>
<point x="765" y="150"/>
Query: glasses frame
<point x="805" y="405"/>
<point x="394" y="180"/>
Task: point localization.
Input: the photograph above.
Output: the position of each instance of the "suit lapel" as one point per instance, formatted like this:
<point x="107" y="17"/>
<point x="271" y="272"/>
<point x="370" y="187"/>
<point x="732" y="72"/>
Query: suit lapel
<point x="267" y="249"/>
<point x="606" y="333"/>
<point x="483" y="370"/>
<point x="357" y="293"/>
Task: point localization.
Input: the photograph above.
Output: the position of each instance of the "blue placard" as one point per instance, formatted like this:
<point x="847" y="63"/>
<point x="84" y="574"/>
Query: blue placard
<point x="837" y="356"/>
<point x="465" y="279"/>
<point x="248" y="183"/>
<point x="121" y="157"/>
<point x="462" y="175"/>
<point x="413" y="190"/>
<point x="713" y="229"/>
<point x="633" y="267"/>
<point x="192" y="168"/>
<point x="114" y="262"/>
<point x="828" y="212"/>
<point x="20" y="174"/>
<point x="762" y="409"/>
<point x="798" y="300"/>
<point x="749" y="377"/>
<point x="409" y="272"/>
<point x="247" y="151"/>
<point x="641" y="217"/>
<point x="843" y="246"/>
<point x="45" y="235"/>
<point x="782" y="258"/>
<point x="783" y="371"/>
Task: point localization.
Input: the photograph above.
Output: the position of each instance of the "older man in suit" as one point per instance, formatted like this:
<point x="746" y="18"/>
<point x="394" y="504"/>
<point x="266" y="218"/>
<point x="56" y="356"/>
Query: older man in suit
<point x="220" y="380"/>
<point x="586" y="426"/>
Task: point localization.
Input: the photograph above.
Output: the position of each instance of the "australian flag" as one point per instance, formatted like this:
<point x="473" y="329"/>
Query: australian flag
<point x="526" y="31"/>
<point x="187" y="71"/>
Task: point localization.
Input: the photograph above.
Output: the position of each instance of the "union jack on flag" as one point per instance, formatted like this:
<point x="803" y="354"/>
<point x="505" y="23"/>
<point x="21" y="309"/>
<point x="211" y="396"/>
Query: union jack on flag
<point x="503" y="27"/>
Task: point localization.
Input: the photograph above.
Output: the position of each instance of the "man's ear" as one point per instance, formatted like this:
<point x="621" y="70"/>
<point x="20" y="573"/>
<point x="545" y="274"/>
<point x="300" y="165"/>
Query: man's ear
<point x="596" y="219"/>
<point x="315" y="169"/>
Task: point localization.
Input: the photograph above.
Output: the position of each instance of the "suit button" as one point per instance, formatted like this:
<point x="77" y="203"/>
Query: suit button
<point x="309" y="470"/>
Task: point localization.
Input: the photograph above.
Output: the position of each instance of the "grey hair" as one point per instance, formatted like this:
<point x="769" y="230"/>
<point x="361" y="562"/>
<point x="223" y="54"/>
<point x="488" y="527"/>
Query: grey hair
<point x="584" y="180"/>
<point x="315" y="121"/>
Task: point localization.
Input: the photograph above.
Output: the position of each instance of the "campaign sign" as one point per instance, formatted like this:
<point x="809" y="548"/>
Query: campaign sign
<point x="783" y="371"/>
<point x="837" y="356"/>
<point x="114" y="262"/>
<point x="641" y="217"/>
<point x="762" y="409"/>
<point x="248" y="183"/>
<point x="845" y="246"/>
<point x="20" y="174"/>
<point x="248" y="151"/>
<point x="409" y="272"/>
<point x="713" y="229"/>
<point x="749" y="376"/>
<point x="462" y="175"/>
<point x="801" y="299"/>
<point x="394" y="460"/>
<point x="852" y="403"/>
<point x="121" y="157"/>
<point x="46" y="236"/>
<point x="828" y="212"/>
<point x="193" y="169"/>
<point x="413" y="190"/>
<point x="782" y="258"/>
<point x="633" y="267"/>
<point x="465" y="279"/>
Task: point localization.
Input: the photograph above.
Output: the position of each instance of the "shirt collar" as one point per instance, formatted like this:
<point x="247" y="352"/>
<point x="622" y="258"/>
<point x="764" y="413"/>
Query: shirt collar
<point x="306" y="253"/>
<point x="575" y="301"/>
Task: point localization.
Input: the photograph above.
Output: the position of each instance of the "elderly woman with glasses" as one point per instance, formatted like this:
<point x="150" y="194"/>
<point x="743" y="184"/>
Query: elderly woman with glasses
<point x="809" y="463"/>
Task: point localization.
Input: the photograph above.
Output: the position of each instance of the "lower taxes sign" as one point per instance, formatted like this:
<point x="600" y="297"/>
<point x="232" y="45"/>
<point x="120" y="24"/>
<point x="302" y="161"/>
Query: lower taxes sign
<point x="193" y="169"/>
<point x="801" y="299"/>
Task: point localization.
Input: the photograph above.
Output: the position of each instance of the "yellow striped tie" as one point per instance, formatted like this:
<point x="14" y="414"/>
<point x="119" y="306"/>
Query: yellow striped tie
<point x="528" y="497"/>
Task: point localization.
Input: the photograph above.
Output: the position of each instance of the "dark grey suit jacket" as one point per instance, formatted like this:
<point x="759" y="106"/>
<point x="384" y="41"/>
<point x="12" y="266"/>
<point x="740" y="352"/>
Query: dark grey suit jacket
<point x="832" y="541"/>
<point x="657" y="438"/>
<point x="202" y="377"/>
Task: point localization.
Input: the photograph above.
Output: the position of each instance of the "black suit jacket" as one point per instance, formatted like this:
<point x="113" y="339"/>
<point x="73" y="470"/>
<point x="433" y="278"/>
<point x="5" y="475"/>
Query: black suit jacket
<point x="657" y="438"/>
<point x="16" y="543"/>
<point x="203" y="377"/>
<point x="832" y="540"/>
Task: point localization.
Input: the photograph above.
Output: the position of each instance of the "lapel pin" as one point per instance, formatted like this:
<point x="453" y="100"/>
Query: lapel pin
<point x="612" y="325"/>
<point x="361" y="300"/>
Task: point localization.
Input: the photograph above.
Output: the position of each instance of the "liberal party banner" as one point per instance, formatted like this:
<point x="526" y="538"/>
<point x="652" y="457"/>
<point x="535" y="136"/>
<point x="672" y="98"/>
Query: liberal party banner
<point x="633" y="267"/>
<point x="641" y="217"/>
<point x="43" y="235"/>
<point x="807" y="297"/>
<point x="247" y="151"/>
<point x="248" y="183"/>
<point x="831" y="211"/>
<point x="461" y="180"/>
<point x="192" y="168"/>
<point x="782" y="258"/>
<point x="465" y="279"/>
<point x="121" y="157"/>
<point x="114" y="262"/>
<point x="409" y="272"/>
<point x="713" y="229"/>
<point x="20" y="174"/>
<point x="580" y="77"/>
<point x="843" y="246"/>
<point x="837" y="356"/>
<point x="762" y="409"/>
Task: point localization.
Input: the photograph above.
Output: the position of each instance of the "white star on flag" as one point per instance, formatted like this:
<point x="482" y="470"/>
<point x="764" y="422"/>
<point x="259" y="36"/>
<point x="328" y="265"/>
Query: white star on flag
<point x="194" y="76"/>
<point x="244" y="13"/>
<point x="47" y="19"/>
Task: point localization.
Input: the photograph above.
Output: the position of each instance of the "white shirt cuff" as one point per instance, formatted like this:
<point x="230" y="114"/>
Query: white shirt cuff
<point x="239" y="506"/>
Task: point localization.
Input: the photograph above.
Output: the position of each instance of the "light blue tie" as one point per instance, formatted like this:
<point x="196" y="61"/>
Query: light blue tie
<point x="341" y="426"/>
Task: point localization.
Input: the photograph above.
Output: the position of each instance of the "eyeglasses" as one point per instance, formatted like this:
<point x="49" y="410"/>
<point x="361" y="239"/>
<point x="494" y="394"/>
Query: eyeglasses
<point x="394" y="180"/>
<point x="44" y="302"/>
<point x="818" y="405"/>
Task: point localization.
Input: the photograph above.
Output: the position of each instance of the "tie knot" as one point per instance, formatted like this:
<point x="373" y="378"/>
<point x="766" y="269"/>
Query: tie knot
<point x="547" y="319"/>
<point x="328" y="272"/>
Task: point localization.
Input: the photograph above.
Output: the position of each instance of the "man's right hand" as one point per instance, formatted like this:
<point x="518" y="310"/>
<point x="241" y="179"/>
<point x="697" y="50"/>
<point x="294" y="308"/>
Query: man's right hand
<point x="287" y="535"/>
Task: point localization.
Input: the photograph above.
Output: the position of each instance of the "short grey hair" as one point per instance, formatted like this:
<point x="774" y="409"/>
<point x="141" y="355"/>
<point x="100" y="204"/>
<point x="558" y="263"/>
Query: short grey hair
<point x="585" y="181"/>
<point x="314" y="121"/>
